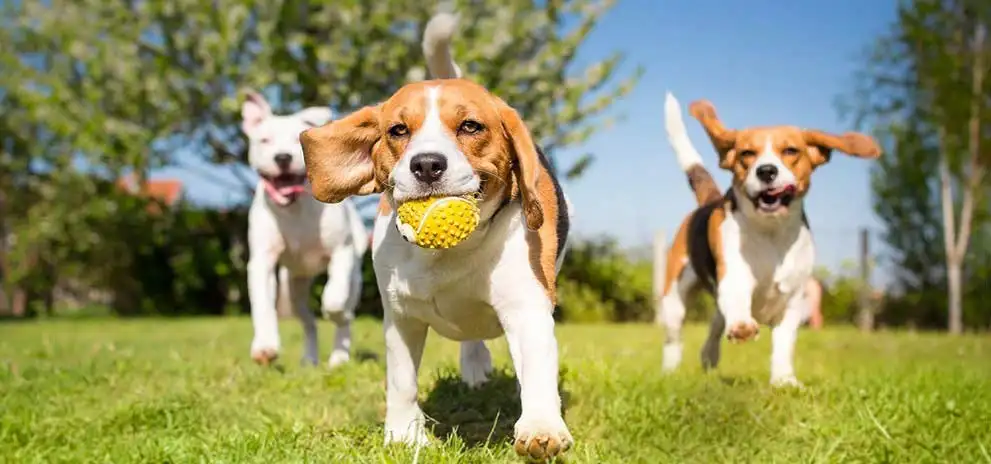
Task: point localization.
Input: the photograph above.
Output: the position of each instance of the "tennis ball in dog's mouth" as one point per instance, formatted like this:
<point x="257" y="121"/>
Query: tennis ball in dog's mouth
<point x="438" y="222"/>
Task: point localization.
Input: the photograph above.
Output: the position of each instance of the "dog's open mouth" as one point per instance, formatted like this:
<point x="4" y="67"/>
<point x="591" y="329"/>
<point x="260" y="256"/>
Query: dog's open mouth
<point x="284" y="189"/>
<point x="774" y="199"/>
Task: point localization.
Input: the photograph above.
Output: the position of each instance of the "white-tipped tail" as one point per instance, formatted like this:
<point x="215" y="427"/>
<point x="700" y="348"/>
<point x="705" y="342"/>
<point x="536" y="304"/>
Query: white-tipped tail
<point x="687" y="155"/>
<point x="437" y="46"/>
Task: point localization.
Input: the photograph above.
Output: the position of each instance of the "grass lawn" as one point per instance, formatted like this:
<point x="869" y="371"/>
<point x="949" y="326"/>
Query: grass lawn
<point x="186" y="391"/>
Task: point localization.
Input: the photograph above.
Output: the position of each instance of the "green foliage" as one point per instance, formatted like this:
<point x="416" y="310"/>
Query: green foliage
<point x="919" y="89"/>
<point x="92" y="89"/>
<point x="598" y="282"/>
<point x="841" y="293"/>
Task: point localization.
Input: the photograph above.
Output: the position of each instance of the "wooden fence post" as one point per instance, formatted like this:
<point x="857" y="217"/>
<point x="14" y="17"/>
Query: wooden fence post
<point x="865" y="319"/>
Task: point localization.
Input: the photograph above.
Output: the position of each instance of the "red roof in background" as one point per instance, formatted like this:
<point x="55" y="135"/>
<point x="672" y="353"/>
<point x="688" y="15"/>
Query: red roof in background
<point x="168" y="191"/>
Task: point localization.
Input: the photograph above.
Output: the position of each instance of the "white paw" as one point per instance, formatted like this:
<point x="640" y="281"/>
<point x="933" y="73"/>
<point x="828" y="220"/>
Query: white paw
<point x="541" y="437"/>
<point x="337" y="358"/>
<point x="786" y="381"/>
<point x="672" y="358"/>
<point x="263" y="352"/>
<point x="408" y="430"/>
<point x="742" y="330"/>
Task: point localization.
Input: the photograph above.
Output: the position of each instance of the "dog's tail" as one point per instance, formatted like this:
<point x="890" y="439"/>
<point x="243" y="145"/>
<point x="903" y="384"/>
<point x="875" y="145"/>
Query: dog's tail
<point x="437" y="46"/>
<point x="699" y="179"/>
<point x="358" y="232"/>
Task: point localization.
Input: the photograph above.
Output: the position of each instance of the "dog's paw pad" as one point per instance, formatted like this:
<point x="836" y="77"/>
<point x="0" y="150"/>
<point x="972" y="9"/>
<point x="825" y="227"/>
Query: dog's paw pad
<point x="743" y="331"/>
<point x="265" y="356"/>
<point x="540" y="442"/>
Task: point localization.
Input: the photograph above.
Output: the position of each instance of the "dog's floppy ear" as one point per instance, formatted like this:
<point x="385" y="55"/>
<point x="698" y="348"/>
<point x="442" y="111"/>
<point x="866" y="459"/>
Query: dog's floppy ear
<point x="821" y="145"/>
<point x="526" y="164"/>
<point x="723" y="139"/>
<point x="339" y="156"/>
<point x="315" y="116"/>
<point x="254" y="110"/>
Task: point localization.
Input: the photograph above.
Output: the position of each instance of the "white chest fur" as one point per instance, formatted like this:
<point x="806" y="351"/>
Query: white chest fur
<point x="776" y="260"/>
<point x="305" y="232"/>
<point x="455" y="291"/>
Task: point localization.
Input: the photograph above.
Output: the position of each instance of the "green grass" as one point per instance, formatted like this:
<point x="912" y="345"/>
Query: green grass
<point x="185" y="391"/>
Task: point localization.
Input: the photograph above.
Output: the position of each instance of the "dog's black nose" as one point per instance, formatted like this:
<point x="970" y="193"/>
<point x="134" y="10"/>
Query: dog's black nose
<point x="428" y="167"/>
<point x="283" y="160"/>
<point x="767" y="173"/>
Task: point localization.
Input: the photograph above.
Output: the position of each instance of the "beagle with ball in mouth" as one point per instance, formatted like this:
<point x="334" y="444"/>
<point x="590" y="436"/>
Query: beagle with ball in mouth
<point x="451" y="137"/>
<point x="751" y="246"/>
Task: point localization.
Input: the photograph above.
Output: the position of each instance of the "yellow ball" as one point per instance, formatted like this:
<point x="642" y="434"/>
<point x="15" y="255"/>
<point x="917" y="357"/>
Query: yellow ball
<point x="438" y="222"/>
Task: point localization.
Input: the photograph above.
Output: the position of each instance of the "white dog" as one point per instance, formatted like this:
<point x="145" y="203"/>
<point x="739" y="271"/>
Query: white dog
<point x="453" y="137"/>
<point x="288" y="227"/>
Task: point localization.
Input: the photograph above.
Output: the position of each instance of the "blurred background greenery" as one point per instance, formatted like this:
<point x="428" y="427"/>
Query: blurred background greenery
<point x="92" y="93"/>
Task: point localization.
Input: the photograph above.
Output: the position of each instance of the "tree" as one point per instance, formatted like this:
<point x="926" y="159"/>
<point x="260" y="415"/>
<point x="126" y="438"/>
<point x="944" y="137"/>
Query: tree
<point x="925" y="89"/>
<point x="99" y="87"/>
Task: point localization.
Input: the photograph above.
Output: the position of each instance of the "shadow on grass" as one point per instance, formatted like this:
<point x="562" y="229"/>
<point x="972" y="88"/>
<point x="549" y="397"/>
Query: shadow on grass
<point x="482" y="415"/>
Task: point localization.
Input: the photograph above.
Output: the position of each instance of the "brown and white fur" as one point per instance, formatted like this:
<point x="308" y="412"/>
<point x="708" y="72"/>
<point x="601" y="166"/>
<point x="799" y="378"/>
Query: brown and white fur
<point x="453" y="137"/>
<point x="750" y="246"/>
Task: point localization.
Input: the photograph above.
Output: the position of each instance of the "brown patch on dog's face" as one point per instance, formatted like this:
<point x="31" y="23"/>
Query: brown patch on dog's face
<point x="471" y="115"/>
<point x="785" y="143"/>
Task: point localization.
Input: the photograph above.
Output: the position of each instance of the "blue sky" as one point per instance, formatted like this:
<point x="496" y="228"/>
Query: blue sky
<point x="760" y="62"/>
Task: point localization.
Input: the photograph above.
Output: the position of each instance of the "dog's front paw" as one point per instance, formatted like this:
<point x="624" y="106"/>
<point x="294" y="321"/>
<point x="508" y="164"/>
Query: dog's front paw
<point x="337" y="358"/>
<point x="743" y="330"/>
<point x="264" y="355"/>
<point x="541" y="438"/>
<point x="786" y="381"/>
<point x="408" y="429"/>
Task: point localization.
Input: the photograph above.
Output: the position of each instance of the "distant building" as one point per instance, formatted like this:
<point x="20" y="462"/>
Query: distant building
<point x="168" y="191"/>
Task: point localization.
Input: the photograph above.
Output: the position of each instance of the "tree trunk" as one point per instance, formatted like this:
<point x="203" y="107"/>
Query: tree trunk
<point x="973" y="173"/>
<point x="953" y="274"/>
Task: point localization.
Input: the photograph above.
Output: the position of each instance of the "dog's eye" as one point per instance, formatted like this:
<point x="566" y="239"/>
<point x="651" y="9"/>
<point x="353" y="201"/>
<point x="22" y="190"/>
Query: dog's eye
<point x="470" y="127"/>
<point x="790" y="151"/>
<point x="398" y="130"/>
<point x="748" y="154"/>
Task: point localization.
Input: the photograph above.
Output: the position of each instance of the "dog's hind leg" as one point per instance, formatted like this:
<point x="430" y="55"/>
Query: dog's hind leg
<point x="710" y="350"/>
<point x="476" y="363"/>
<point x="340" y="298"/>
<point x="299" y="294"/>
<point x="673" y="315"/>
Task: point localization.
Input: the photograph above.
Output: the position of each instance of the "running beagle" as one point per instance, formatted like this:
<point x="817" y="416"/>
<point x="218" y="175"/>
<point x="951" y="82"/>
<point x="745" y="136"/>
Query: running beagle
<point x="452" y="137"/>
<point x="751" y="247"/>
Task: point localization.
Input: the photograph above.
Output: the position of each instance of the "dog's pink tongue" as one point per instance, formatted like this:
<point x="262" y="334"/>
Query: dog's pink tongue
<point x="783" y="189"/>
<point x="291" y="190"/>
<point x="276" y="194"/>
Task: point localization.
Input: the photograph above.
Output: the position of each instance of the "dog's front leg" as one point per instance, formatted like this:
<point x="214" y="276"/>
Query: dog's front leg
<point x="404" y="340"/>
<point x="540" y="433"/>
<point x="783" y="338"/>
<point x="261" y="295"/>
<point x="734" y="298"/>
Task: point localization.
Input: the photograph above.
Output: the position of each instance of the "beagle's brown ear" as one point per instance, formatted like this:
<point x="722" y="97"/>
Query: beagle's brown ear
<point x="723" y="139"/>
<point x="340" y="156"/>
<point x="821" y="145"/>
<point x="526" y="164"/>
